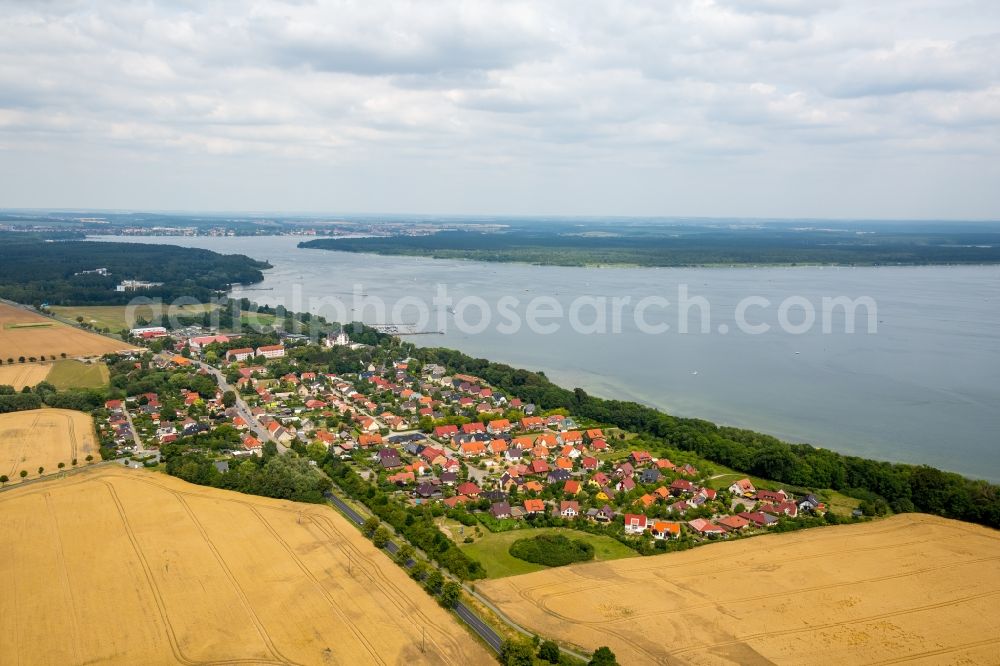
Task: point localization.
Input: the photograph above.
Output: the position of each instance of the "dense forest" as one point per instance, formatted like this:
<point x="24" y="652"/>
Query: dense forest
<point x="691" y="246"/>
<point x="36" y="271"/>
<point x="883" y="485"/>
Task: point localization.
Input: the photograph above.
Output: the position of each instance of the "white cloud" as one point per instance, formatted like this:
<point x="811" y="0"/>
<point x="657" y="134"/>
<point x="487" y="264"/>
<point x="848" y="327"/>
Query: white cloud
<point x="372" y="106"/>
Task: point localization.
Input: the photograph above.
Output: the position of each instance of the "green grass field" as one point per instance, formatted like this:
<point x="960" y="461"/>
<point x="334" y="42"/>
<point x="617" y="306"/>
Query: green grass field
<point x="113" y="317"/>
<point x="839" y="503"/>
<point x="11" y="327"/>
<point x="491" y="548"/>
<point x="74" y="374"/>
<point x="726" y="479"/>
<point x="257" y="318"/>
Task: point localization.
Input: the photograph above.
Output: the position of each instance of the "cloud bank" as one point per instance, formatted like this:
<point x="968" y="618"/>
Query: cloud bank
<point x="778" y="108"/>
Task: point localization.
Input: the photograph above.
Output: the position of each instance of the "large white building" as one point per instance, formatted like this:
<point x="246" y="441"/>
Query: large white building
<point x="239" y="354"/>
<point x="339" y="340"/>
<point x="200" y="341"/>
<point x="271" y="351"/>
<point x="136" y="285"/>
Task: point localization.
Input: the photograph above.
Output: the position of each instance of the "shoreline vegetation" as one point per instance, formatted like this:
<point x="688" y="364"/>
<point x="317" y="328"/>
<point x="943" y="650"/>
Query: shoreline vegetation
<point x="679" y="247"/>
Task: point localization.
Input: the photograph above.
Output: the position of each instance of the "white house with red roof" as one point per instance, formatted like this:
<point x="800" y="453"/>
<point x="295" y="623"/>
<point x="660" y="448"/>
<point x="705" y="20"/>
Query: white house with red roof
<point x="706" y="528"/>
<point x="252" y="444"/>
<point x="743" y="487"/>
<point x="635" y="523"/>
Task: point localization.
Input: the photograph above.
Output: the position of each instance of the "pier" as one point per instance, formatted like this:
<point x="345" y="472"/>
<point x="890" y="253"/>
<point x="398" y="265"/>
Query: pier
<point x="403" y="329"/>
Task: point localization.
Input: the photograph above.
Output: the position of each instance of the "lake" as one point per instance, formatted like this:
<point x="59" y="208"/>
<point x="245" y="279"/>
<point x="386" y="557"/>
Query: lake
<point x="923" y="388"/>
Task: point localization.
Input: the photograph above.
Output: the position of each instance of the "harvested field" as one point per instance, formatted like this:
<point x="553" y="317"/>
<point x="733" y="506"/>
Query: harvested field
<point x="135" y="567"/>
<point x="20" y="375"/>
<point x="911" y="587"/>
<point x="45" y="438"/>
<point x="24" y="333"/>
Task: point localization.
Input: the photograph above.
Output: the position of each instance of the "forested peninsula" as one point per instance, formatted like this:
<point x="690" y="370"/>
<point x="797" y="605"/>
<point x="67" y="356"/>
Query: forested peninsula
<point x="64" y="270"/>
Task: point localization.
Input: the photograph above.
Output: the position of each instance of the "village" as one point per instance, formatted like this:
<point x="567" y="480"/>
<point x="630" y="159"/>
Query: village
<point x="428" y="436"/>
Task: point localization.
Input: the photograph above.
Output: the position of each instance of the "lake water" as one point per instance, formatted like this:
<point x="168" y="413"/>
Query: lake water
<point x="924" y="388"/>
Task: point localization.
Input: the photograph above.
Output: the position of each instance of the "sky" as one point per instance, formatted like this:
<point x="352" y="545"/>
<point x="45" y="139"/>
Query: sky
<point x="739" y="108"/>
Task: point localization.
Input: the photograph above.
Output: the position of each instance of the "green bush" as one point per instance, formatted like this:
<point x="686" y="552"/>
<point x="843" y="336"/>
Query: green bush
<point x="552" y="550"/>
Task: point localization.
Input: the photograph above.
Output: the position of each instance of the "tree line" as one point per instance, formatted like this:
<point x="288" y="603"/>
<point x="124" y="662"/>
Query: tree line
<point x="416" y="523"/>
<point x="45" y="394"/>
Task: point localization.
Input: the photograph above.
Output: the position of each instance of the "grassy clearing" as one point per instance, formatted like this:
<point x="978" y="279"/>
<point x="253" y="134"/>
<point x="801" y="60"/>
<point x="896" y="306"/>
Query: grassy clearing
<point x="115" y="317"/>
<point x="615" y="455"/>
<point x="74" y="374"/>
<point x="257" y="318"/>
<point x="839" y="503"/>
<point x="724" y="479"/>
<point x="491" y="548"/>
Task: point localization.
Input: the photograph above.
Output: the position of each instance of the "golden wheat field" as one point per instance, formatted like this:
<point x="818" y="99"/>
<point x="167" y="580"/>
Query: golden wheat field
<point x="19" y="375"/>
<point x="27" y="334"/>
<point x="911" y="588"/>
<point x="45" y="438"/>
<point x="119" y="566"/>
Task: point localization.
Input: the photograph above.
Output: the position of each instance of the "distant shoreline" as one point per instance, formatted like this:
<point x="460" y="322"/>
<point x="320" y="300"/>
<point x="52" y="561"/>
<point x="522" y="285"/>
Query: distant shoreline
<point x="624" y="264"/>
<point x="686" y="247"/>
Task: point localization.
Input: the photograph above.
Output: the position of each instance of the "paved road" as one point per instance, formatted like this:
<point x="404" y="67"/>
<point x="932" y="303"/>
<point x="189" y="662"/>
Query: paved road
<point x="244" y="410"/>
<point x="139" y="448"/>
<point x="484" y="630"/>
<point x="353" y="515"/>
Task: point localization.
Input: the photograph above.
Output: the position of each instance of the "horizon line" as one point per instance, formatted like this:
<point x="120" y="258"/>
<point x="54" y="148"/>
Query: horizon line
<point x="486" y="216"/>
